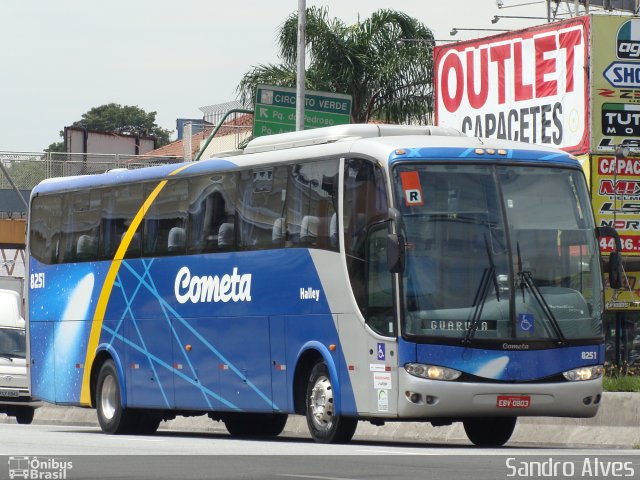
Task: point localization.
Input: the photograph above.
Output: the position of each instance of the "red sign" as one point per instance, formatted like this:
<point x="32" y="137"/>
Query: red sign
<point x="513" y="401"/>
<point x="529" y="86"/>
<point x="618" y="166"/>
<point x="412" y="189"/>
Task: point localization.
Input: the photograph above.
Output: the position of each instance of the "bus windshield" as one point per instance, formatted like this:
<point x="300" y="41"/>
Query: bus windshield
<point x="498" y="253"/>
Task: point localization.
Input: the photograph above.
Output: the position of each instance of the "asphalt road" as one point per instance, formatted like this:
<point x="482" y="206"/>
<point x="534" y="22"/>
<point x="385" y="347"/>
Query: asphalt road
<point x="72" y="452"/>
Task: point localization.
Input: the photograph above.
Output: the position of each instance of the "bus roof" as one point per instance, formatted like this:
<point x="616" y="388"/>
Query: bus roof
<point x="388" y="143"/>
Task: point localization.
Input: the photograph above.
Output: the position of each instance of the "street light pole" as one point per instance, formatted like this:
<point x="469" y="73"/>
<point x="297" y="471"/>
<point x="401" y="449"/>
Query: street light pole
<point x="302" y="17"/>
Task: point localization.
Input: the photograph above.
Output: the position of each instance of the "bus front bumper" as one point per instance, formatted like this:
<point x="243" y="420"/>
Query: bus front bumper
<point x="422" y="398"/>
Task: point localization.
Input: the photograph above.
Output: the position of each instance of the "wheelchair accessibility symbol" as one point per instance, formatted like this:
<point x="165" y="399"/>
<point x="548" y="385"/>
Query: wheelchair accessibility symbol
<point x="525" y="322"/>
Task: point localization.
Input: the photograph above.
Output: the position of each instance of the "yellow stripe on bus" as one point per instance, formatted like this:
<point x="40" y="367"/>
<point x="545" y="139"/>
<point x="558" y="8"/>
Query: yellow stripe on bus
<point x="107" y="287"/>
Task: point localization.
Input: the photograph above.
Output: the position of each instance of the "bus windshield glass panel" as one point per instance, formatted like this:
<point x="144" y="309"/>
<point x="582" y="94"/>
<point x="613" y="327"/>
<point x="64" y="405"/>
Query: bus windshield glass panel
<point x="498" y="253"/>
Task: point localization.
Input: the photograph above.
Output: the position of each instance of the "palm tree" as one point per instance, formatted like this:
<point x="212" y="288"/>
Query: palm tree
<point x="384" y="62"/>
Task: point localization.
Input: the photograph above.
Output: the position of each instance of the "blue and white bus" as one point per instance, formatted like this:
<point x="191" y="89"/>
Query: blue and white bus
<point x="359" y="272"/>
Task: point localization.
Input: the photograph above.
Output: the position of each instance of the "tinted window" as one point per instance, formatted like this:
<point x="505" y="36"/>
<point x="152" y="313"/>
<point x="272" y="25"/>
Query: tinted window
<point x="119" y="207"/>
<point x="211" y="213"/>
<point x="312" y="201"/>
<point x="45" y="228"/>
<point x="166" y="220"/>
<point x="365" y="205"/>
<point x="261" y="202"/>
<point x="80" y="226"/>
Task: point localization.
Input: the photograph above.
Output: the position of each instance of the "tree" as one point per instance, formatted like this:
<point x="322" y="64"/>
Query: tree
<point x="384" y="62"/>
<point x="125" y="120"/>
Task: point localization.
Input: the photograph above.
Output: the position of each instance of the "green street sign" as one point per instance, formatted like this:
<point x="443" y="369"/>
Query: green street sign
<point x="276" y="110"/>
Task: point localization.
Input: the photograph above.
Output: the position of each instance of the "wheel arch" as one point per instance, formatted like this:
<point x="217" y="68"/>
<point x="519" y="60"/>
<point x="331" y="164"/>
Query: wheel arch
<point x="308" y="355"/>
<point x="104" y="353"/>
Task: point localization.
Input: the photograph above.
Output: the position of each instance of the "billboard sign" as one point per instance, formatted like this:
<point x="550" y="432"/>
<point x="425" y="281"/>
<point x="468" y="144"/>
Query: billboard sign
<point x="615" y="82"/>
<point x="527" y="86"/>
<point x="615" y="193"/>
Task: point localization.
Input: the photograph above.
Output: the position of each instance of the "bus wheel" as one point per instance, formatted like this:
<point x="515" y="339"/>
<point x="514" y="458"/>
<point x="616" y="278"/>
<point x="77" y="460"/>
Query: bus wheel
<point x="24" y="415"/>
<point x="113" y="418"/>
<point x="255" y="424"/>
<point x="146" y="424"/>
<point x="324" y="425"/>
<point x="489" y="432"/>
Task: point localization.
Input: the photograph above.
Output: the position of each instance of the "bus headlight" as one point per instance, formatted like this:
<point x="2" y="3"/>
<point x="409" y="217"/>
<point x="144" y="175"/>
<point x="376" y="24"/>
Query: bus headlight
<point x="432" y="372"/>
<point x="584" y="373"/>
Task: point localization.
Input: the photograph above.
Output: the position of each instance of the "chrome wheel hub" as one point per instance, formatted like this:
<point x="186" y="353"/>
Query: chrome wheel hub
<point x="321" y="404"/>
<point x="108" y="397"/>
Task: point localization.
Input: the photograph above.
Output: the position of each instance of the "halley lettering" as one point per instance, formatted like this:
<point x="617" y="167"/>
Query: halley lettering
<point x="195" y="289"/>
<point x="309" y="294"/>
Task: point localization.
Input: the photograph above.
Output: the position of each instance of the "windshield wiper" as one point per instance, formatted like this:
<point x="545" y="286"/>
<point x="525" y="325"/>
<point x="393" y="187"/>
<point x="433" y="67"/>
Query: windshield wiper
<point x="7" y="356"/>
<point x="526" y="280"/>
<point x="488" y="275"/>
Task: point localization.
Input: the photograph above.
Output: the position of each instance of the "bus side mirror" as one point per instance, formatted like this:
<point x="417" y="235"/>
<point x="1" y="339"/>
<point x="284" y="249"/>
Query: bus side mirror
<point x="615" y="258"/>
<point x="615" y="270"/>
<point x="395" y="252"/>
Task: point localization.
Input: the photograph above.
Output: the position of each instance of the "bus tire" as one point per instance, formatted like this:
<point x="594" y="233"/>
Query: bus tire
<point x="24" y="415"/>
<point x="255" y="424"/>
<point x="489" y="432"/>
<point x="112" y="416"/>
<point x="324" y="425"/>
<point x="146" y="423"/>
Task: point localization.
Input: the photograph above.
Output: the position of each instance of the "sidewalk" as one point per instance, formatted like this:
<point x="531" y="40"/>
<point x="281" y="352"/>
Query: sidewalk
<point x="617" y="425"/>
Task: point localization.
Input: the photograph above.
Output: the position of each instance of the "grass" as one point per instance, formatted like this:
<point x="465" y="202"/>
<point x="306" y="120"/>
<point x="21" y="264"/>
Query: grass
<point x="621" y="383"/>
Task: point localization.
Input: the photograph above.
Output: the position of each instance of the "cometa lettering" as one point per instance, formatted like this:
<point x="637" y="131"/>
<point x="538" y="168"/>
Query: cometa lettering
<point x="200" y="289"/>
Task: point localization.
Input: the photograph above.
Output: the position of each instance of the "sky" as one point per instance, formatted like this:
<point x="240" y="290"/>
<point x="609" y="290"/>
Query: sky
<point x="60" y="58"/>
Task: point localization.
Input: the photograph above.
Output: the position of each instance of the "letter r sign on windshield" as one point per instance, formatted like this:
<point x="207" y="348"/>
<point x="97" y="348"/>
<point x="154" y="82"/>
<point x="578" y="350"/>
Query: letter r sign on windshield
<point x="412" y="189"/>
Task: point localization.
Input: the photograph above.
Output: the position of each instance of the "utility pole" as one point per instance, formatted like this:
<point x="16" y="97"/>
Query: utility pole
<point x="302" y="21"/>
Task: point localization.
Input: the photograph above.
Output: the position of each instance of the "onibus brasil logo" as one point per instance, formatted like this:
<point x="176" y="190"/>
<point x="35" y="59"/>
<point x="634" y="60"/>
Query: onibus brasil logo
<point x="39" y="468"/>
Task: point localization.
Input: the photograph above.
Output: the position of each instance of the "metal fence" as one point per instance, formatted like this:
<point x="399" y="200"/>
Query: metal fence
<point x="27" y="169"/>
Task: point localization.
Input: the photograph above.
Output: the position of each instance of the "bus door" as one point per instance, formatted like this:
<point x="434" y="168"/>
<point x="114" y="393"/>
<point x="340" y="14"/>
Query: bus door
<point x="365" y="214"/>
<point x="381" y="342"/>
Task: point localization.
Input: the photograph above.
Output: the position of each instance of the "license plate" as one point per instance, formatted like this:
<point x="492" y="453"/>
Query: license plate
<point x="9" y="393"/>
<point x="513" y="401"/>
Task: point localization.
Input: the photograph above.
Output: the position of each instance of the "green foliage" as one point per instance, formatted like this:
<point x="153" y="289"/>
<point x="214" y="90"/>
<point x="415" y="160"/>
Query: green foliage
<point x="621" y="378"/>
<point x="122" y="119"/>
<point x="624" y="383"/>
<point x="26" y="174"/>
<point x="384" y="62"/>
<point x="55" y="147"/>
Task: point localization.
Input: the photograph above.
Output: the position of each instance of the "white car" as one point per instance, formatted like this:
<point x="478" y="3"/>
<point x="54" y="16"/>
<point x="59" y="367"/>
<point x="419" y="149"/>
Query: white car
<point x="15" y="397"/>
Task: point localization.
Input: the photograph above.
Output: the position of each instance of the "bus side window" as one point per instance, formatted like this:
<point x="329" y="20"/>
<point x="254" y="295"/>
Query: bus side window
<point x="211" y="208"/>
<point x="165" y="221"/>
<point x="81" y="226"/>
<point x="46" y="212"/>
<point x="261" y="197"/>
<point x="365" y="204"/>
<point x="119" y="207"/>
<point x="312" y="201"/>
